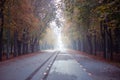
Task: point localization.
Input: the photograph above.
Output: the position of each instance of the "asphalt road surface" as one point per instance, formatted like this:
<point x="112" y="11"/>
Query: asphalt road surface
<point x="57" y="65"/>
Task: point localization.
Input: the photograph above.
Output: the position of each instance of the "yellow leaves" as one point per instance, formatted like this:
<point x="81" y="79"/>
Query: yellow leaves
<point x="112" y="24"/>
<point x="102" y="9"/>
<point x="107" y="8"/>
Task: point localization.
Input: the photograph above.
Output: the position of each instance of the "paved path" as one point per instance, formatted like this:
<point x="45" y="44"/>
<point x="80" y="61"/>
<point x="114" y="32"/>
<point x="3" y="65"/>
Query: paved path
<point x="57" y="65"/>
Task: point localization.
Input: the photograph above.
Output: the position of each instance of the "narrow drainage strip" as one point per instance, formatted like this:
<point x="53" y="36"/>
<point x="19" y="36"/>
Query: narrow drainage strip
<point x="49" y="68"/>
<point x="83" y="68"/>
<point x="33" y="73"/>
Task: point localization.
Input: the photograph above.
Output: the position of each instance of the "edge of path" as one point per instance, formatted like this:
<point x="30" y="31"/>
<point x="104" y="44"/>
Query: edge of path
<point x="117" y="64"/>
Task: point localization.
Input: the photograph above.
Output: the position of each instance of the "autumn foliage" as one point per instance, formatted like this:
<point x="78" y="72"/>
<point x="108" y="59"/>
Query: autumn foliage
<point x="94" y="26"/>
<point x="21" y="28"/>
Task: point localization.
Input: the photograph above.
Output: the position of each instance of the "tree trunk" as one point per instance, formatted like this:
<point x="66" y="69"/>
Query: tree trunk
<point x="11" y="51"/>
<point x="111" y="45"/>
<point x="79" y="45"/>
<point x="1" y="43"/>
<point x="90" y="44"/>
<point x="104" y="46"/>
<point x="19" y="47"/>
<point x="2" y="2"/>
<point x="15" y="44"/>
<point x="32" y="48"/>
<point x="8" y="44"/>
<point x="95" y="45"/>
<point x="27" y="48"/>
<point x="24" y="48"/>
<point x="82" y="45"/>
<point x="103" y="28"/>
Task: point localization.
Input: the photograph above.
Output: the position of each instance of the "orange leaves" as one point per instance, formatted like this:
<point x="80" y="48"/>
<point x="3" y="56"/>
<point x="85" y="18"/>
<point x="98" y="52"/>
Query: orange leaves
<point x="19" y="16"/>
<point x="22" y="13"/>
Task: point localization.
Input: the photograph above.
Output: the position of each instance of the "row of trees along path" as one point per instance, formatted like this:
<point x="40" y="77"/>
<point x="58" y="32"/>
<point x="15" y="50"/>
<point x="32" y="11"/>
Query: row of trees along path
<point x="22" y="23"/>
<point x="94" y="26"/>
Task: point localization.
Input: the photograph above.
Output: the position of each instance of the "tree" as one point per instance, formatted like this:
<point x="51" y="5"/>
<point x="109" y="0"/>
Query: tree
<point x="2" y="3"/>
